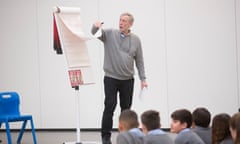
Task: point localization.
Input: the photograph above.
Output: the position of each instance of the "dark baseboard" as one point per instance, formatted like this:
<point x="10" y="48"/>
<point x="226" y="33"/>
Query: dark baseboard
<point x="69" y="129"/>
<point x="60" y="129"/>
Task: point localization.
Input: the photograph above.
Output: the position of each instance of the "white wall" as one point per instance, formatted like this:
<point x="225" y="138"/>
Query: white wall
<point x="19" y="56"/>
<point x="238" y="42"/>
<point x="201" y="55"/>
<point x="191" y="50"/>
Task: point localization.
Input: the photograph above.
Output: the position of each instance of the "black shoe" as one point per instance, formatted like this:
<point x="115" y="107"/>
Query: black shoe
<point x="106" y="140"/>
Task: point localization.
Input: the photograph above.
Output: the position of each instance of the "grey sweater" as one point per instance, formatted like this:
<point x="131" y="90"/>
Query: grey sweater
<point x="227" y="140"/>
<point x="188" y="137"/>
<point x="204" y="133"/>
<point x="128" y="138"/>
<point x="120" y="53"/>
<point x="133" y="136"/>
<point x="158" y="139"/>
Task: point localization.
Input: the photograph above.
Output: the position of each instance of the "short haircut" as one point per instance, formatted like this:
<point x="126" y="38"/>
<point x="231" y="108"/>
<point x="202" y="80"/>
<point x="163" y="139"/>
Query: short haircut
<point x="183" y="115"/>
<point x="131" y="18"/>
<point x="151" y="119"/>
<point x="201" y="117"/>
<point x="130" y="118"/>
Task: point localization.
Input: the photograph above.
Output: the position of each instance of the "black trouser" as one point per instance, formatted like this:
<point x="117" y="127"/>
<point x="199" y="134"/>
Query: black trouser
<point x="112" y="87"/>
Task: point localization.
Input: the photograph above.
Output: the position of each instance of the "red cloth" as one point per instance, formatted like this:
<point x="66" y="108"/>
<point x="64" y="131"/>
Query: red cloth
<point x="56" y="41"/>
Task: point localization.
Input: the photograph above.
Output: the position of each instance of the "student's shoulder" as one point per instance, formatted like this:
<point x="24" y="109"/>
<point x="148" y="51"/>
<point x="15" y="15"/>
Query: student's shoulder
<point x="189" y="134"/>
<point x="188" y="137"/>
<point x="128" y="138"/>
<point x="122" y="137"/>
<point x="158" y="136"/>
<point x="201" y="129"/>
<point x="122" y="134"/>
<point x="227" y="140"/>
<point x="195" y="138"/>
<point x="158" y="139"/>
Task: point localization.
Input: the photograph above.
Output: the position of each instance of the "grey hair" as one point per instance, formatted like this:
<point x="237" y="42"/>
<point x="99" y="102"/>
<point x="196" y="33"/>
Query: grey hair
<point x="131" y="18"/>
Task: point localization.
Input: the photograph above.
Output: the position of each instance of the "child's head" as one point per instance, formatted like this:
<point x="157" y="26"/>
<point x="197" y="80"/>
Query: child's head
<point x="150" y="120"/>
<point x="181" y="119"/>
<point x="128" y="119"/>
<point x="201" y="117"/>
<point x="235" y="127"/>
<point x="220" y="127"/>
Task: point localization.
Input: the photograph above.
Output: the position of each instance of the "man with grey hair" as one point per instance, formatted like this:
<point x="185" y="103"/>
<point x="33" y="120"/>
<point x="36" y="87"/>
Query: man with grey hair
<point x="122" y="49"/>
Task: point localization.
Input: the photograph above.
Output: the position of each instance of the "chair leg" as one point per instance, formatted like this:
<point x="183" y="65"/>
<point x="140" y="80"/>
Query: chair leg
<point x="8" y="132"/>
<point x="21" y="132"/>
<point x="33" y="132"/>
<point x="23" y="129"/>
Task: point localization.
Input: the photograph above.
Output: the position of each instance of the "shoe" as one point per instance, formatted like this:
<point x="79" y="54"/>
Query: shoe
<point x="106" y="140"/>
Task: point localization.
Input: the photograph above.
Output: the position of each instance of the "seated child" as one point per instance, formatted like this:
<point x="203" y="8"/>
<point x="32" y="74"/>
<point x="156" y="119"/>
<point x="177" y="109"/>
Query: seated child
<point x="151" y="128"/>
<point x="201" y="120"/>
<point x="181" y="123"/>
<point x="128" y="128"/>
<point x="220" y="129"/>
<point x="235" y="127"/>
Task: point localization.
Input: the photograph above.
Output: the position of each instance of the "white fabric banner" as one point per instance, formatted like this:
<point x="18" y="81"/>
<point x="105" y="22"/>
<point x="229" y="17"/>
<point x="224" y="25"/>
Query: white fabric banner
<point x="73" y="40"/>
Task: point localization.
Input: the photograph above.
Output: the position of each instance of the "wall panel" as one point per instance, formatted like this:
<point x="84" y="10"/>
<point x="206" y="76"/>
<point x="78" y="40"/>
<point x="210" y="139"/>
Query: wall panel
<point x="19" y="57"/>
<point x="201" y="55"/>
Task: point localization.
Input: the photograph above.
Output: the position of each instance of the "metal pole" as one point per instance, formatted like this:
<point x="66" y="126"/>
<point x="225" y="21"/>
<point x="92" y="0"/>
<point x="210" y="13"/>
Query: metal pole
<point x="78" y="115"/>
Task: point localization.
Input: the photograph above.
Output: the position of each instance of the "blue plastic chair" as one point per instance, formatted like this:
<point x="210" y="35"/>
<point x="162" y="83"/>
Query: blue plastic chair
<point x="9" y="112"/>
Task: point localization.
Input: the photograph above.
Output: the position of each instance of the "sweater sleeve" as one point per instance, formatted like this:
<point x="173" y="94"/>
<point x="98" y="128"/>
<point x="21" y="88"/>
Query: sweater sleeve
<point x="95" y="29"/>
<point x="140" y="62"/>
